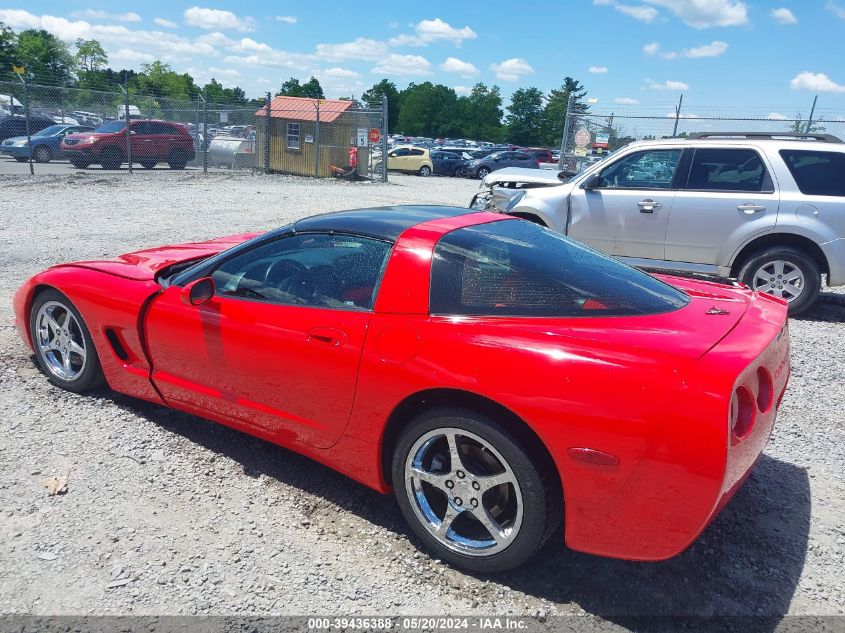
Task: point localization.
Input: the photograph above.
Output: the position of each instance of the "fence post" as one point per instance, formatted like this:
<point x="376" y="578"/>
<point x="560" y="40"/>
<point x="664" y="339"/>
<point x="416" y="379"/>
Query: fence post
<point x="812" y="112"/>
<point x="128" y="120"/>
<point x="317" y="143"/>
<point x="26" y="114"/>
<point x="677" y="115"/>
<point x="267" y="135"/>
<point x="567" y="126"/>
<point x="204" y="134"/>
<point x="384" y="138"/>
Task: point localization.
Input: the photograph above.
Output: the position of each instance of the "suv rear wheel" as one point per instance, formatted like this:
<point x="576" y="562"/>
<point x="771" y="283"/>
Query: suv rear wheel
<point x="788" y="273"/>
<point x="177" y="160"/>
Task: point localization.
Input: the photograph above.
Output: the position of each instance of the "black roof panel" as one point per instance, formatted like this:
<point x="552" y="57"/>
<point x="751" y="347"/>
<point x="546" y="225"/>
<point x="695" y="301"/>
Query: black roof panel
<point x="381" y="222"/>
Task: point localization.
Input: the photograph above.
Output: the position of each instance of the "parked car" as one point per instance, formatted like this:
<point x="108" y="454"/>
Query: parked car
<point x="480" y="167"/>
<point x="447" y="163"/>
<point x="768" y="209"/>
<point x="152" y="142"/>
<point x="410" y="159"/>
<point x="375" y="340"/>
<point x="44" y="145"/>
<point x="542" y="155"/>
<point x="16" y="125"/>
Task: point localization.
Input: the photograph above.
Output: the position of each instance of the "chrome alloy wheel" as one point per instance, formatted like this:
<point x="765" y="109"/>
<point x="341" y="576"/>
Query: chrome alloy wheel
<point x="60" y="342"/>
<point x="780" y="278"/>
<point x="463" y="491"/>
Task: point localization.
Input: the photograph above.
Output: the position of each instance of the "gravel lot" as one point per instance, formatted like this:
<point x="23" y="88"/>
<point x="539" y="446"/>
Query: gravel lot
<point x="196" y="518"/>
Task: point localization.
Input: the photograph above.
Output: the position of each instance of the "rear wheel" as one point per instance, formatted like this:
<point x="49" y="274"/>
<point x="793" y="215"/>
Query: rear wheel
<point x="148" y="164"/>
<point x="111" y="158"/>
<point x="470" y="491"/>
<point x="42" y="154"/>
<point x="425" y="170"/>
<point x="483" y="172"/>
<point x="177" y="160"/>
<point x="63" y="344"/>
<point x="79" y="163"/>
<point x="788" y="273"/>
<point x="21" y="159"/>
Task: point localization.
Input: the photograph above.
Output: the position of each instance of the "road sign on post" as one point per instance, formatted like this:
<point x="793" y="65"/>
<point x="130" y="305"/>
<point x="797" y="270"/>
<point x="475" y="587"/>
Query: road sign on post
<point x="373" y="135"/>
<point x="583" y="137"/>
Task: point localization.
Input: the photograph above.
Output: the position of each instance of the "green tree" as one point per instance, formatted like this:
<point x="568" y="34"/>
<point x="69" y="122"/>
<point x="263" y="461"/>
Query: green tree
<point x="427" y="109"/>
<point x="8" y="46"/>
<point x="481" y="113"/>
<point x="799" y="126"/>
<point x="46" y="58"/>
<point x="90" y="56"/>
<point x="554" y="113"/>
<point x="160" y="80"/>
<point x="312" y="89"/>
<point x="372" y="98"/>
<point x="291" y="88"/>
<point x="525" y="118"/>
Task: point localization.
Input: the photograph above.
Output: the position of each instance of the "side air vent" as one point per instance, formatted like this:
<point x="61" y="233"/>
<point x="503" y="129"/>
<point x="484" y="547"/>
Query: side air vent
<point x="116" y="345"/>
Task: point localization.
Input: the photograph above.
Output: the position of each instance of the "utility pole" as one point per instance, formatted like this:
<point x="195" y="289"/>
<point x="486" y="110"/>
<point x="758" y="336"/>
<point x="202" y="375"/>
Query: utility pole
<point x="812" y="112"/>
<point x="567" y="127"/>
<point x="677" y="115"/>
<point x="128" y="120"/>
<point x="26" y="114"/>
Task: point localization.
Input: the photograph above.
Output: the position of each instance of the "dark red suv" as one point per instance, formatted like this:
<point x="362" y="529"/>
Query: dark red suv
<point x="152" y="142"/>
<point x="543" y="155"/>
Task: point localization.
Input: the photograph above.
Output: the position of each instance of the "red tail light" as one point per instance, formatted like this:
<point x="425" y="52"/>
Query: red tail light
<point x="743" y="412"/>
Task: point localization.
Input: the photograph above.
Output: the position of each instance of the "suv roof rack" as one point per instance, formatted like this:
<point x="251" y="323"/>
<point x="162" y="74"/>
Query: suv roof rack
<point x="824" y="138"/>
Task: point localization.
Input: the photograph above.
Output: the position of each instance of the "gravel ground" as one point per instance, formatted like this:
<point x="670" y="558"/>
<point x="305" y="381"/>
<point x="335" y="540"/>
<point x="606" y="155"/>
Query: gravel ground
<point x="169" y="514"/>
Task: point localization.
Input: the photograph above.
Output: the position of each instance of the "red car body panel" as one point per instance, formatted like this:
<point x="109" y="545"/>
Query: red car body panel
<point x="652" y="394"/>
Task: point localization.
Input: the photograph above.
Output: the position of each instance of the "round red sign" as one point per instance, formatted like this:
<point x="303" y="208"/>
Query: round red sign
<point x="374" y="135"/>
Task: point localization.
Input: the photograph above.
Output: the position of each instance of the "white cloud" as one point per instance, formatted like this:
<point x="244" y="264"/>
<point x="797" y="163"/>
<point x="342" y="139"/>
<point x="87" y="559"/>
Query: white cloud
<point x="403" y="65"/>
<point x="429" y="31"/>
<point x="784" y="16"/>
<point x="817" y="82"/>
<point x="702" y="14"/>
<point x="362" y="48"/>
<point x="165" y="23"/>
<point x="713" y="49"/>
<point x="777" y="116"/>
<point x="339" y="73"/>
<point x="638" y="12"/>
<point x="455" y="65"/>
<point x="92" y="14"/>
<point x="287" y="19"/>
<point x="597" y="70"/>
<point x="835" y="9"/>
<point x="217" y="19"/>
<point x="463" y="90"/>
<point x="19" y="19"/>
<point x="666" y="85"/>
<point x="682" y="115"/>
<point x="263" y="81"/>
<point x="218" y="39"/>
<point x="230" y="73"/>
<point x="592" y="100"/>
<point x="128" y="56"/>
<point x="512" y="69"/>
<point x="625" y="101"/>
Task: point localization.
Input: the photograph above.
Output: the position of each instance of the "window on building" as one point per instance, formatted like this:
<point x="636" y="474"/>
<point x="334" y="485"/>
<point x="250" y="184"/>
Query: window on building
<point x="293" y="137"/>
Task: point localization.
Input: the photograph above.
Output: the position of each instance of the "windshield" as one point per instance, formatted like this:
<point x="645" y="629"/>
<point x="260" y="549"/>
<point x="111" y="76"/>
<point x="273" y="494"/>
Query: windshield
<point x="111" y="126"/>
<point x="50" y="131"/>
<point x="516" y="268"/>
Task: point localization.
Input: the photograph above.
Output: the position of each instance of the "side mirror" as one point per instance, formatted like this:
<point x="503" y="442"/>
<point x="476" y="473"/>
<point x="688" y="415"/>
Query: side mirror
<point x="593" y="182"/>
<point x="198" y="291"/>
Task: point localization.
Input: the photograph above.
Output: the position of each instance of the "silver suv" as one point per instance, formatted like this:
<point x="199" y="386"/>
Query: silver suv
<point x="767" y="209"/>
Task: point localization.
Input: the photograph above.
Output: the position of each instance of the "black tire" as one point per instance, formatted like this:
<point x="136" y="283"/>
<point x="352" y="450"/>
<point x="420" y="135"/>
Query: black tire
<point x="457" y="172"/>
<point x="42" y="154"/>
<point x="111" y="158"/>
<point x="79" y="164"/>
<point x="425" y="171"/>
<point x="483" y="172"/>
<point x="21" y="159"/>
<point x="541" y="507"/>
<point x="796" y="257"/>
<point x="147" y="164"/>
<point x="91" y="376"/>
<point x="177" y="160"/>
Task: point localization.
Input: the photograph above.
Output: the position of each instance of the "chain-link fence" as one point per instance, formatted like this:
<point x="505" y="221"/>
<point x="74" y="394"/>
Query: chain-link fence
<point x="590" y="137"/>
<point x="310" y="137"/>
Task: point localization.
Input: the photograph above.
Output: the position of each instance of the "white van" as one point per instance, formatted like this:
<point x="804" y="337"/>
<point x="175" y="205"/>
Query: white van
<point x="134" y="113"/>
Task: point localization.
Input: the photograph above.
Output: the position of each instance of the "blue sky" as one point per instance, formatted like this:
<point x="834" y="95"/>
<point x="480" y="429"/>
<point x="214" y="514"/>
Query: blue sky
<point x="765" y="58"/>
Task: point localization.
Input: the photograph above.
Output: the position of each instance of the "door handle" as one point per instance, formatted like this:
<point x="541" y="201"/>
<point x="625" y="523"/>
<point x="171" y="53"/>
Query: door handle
<point x="749" y="208"/>
<point x="648" y="205"/>
<point x="327" y="336"/>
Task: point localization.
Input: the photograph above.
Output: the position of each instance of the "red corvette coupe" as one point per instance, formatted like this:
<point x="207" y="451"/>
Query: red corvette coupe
<point x="490" y="372"/>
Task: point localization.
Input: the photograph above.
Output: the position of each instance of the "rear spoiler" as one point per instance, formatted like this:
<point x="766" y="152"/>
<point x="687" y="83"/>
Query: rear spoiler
<point x="733" y="282"/>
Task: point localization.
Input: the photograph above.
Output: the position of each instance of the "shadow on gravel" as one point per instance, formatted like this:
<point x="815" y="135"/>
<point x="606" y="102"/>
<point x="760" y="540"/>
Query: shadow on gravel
<point x="829" y="307"/>
<point x="748" y="562"/>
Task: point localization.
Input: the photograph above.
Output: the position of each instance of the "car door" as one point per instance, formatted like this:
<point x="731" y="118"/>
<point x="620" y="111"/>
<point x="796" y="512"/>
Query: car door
<point x="728" y="197"/>
<point x="142" y="140"/>
<point x="398" y="159"/>
<point x="278" y="345"/>
<point x="624" y="209"/>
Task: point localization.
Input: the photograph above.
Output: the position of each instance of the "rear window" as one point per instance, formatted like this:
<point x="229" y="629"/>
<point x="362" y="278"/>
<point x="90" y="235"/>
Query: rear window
<point x="517" y="268"/>
<point x="816" y="173"/>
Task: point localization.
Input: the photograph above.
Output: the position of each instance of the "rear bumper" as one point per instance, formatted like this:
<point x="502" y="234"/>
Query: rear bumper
<point x="694" y="463"/>
<point x="834" y="252"/>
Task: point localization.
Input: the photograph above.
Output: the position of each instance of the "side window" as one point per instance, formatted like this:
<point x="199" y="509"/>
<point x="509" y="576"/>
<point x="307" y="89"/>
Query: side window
<point x="402" y="152"/>
<point x="143" y="127"/>
<point x="312" y="269"/>
<point x="649" y="169"/>
<point x="721" y="169"/>
<point x="293" y="141"/>
<point x="816" y="173"/>
<point x="521" y="156"/>
<point x="417" y="152"/>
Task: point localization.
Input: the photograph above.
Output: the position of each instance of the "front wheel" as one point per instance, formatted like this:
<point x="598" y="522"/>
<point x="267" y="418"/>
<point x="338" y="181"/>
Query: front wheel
<point x="42" y="154"/>
<point x="63" y="344"/>
<point x="788" y="273"/>
<point x="425" y="170"/>
<point x="483" y="172"/>
<point x="470" y="491"/>
<point x="111" y="158"/>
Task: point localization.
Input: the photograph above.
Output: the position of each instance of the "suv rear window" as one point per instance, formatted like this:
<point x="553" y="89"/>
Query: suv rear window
<point x="816" y="173"/>
<point x="517" y="268"/>
<point x="724" y="169"/>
